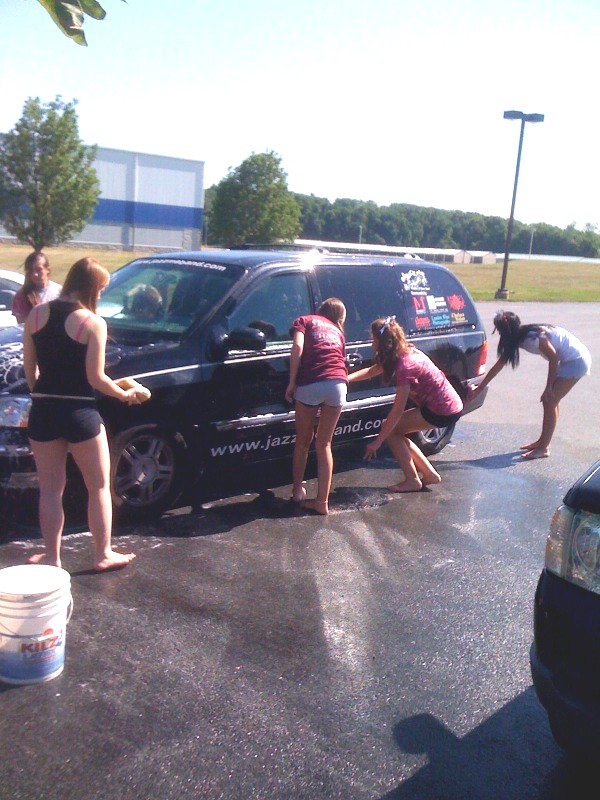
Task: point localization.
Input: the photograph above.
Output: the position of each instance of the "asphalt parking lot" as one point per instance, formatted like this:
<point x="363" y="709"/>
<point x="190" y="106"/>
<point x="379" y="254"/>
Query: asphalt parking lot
<point x="252" y="651"/>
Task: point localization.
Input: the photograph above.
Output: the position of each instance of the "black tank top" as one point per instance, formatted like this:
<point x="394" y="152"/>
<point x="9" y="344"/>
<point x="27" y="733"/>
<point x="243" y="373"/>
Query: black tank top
<point x="61" y="360"/>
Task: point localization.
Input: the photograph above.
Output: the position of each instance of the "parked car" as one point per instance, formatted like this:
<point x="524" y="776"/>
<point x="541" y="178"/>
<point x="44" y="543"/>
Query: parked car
<point x="208" y="334"/>
<point x="10" y="283"/>
<point x="565" y="654"/>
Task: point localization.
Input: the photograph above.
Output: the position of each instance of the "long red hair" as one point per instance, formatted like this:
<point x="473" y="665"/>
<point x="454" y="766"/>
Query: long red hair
<point x="86" y="278"/>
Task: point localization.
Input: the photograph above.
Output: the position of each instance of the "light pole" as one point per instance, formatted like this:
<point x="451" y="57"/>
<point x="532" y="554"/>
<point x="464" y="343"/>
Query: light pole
<point x="502" y="293"/>
<point x="531" y="242"/>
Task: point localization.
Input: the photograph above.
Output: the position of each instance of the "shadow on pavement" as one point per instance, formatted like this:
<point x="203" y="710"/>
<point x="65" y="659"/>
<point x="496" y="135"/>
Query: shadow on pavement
<point x="497" y="461"/>
<point x="222" y="516"/>
<point x="490" y="760"/>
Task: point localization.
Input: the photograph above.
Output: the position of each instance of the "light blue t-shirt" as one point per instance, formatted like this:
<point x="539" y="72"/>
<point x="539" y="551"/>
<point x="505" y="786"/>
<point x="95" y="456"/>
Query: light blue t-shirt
<point x="567" y="346"/>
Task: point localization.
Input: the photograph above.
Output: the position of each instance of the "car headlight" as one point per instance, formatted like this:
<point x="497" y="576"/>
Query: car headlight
<point x="14" y="411"/>
<point x="573" y="547"/>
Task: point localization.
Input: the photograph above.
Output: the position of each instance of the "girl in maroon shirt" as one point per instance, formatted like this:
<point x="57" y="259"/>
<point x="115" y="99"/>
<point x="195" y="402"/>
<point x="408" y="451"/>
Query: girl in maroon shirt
<point x="318" y="380"/>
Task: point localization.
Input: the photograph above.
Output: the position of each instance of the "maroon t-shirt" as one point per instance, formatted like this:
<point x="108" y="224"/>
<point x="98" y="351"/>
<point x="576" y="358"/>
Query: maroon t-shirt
<point x="324" y="353"/>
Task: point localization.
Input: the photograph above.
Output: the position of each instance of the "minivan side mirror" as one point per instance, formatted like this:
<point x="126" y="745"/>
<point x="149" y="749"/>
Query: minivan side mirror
<point x="246" y="339"/>
<point x="238" y="339"/>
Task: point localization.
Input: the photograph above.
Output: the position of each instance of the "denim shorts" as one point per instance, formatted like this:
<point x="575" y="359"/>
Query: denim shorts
<point x="329" y="393"/>
<point x="574" y="369"/>
<point x="53" y="418"/>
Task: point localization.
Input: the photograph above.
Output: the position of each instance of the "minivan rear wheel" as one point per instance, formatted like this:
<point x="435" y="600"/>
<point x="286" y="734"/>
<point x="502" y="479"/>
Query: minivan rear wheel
<point x="433" y="440"/>
<point x="146" y="467"/>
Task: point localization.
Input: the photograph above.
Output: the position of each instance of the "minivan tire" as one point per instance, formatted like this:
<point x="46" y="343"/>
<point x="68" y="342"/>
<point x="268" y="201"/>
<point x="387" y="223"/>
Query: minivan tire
<point x="433" y="440"/>
<point x="146" y="472"/>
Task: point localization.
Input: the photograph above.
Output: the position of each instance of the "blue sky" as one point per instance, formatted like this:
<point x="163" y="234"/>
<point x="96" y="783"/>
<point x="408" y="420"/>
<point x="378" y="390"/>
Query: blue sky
<point x="387" y="100"/>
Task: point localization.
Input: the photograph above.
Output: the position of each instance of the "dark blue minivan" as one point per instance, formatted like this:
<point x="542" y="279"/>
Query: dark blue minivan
<point x="208" y="333"/>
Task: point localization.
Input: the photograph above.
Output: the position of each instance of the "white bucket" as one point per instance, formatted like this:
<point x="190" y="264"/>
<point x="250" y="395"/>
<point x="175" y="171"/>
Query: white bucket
<point x="35" y="606"/>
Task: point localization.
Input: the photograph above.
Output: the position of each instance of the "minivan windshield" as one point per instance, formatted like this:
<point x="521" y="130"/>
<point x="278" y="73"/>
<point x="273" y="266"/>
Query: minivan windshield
<point x="159" y="298"/>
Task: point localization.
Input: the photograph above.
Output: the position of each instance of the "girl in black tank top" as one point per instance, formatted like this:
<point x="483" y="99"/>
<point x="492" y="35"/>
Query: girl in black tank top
<point x="61" y="359"/>
<point x="62" y="374"/>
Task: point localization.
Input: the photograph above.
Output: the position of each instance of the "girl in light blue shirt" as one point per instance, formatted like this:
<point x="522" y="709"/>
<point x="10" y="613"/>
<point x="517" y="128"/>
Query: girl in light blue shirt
<point x="568" y="361"/>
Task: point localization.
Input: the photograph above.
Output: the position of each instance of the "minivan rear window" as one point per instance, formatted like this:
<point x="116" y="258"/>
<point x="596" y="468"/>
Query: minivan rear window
<point x="434" y="298"/>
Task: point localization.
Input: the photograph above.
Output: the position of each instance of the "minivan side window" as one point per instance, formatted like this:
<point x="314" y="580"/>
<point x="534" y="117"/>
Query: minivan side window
<point x="367" y="294"/>
<point x="273" y="305"/>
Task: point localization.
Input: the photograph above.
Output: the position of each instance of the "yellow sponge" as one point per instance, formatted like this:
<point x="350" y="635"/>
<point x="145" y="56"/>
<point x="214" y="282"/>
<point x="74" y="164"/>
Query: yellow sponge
<point x="142" y="392"/>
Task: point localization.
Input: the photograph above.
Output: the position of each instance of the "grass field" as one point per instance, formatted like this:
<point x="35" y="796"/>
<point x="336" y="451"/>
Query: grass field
<point x="542" y="281"/>
<point x="12" y="256"/>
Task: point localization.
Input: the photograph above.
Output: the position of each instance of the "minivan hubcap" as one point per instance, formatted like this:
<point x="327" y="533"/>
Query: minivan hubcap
<point x="146" y="469"/>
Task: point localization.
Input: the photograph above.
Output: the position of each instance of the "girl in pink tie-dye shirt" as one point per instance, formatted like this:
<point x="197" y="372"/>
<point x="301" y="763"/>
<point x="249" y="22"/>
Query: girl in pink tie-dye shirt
<point x="437" y="403"/>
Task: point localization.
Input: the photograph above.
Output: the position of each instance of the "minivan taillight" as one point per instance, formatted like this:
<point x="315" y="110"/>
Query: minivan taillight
<point x="482" y="358"/>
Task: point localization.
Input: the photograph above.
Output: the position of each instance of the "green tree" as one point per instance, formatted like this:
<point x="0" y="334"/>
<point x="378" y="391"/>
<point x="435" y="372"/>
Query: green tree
<point x="48" y="185"/>
<point x="345" y="220"/>
<point x="402" y="225"/>
<point x="253" y="204"/>
<point x="313" y="215"/>
<point x="69" y="16"/>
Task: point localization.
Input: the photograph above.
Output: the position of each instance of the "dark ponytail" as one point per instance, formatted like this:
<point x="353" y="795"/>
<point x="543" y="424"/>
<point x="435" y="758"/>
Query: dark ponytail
<point x="512" y="335"/>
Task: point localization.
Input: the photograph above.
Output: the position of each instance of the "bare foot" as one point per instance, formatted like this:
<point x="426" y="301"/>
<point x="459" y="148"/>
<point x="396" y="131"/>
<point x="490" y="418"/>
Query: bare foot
<point x="430" y="478"/>
<point x="299" y="497"/>
<point x="531" y="446"/>
<point x="114" y="561"/>
<point x="318" y="506"/>
<point x="538" y="452"/>
<point x="411" y="485"/>
<point x="42" y="558"/>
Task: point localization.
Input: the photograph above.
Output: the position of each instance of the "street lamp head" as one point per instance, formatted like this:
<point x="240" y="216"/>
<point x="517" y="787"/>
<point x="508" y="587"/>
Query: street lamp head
<point x="525" y="117"/>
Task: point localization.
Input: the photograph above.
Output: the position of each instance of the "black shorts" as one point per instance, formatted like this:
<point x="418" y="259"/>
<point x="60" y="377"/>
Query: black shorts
<point x="53" y="418"/>
<point x="439" y="420"/>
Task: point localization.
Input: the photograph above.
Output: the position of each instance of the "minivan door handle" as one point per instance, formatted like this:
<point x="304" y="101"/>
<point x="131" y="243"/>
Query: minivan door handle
<point x="353" y="360"/>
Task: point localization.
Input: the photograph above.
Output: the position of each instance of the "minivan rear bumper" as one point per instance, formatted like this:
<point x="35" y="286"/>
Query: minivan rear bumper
<point x="477" y="402"/>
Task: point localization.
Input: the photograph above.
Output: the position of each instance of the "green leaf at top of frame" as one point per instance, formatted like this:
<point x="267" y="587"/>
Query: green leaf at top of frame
<point x="70" y="16"/>
<point x="92" y="9"/>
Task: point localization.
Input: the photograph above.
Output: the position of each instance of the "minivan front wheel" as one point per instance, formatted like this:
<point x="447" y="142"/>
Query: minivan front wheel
<point x="146" y="466"/>
<point x="433" y="440"/>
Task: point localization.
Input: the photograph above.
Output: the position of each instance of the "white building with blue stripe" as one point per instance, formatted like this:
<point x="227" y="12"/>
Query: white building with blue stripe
<point x="145" y="201"/>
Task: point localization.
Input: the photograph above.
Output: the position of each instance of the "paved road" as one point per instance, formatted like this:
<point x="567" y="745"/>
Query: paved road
<point x="381" y="652"/>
